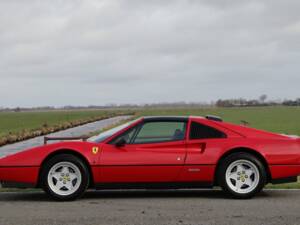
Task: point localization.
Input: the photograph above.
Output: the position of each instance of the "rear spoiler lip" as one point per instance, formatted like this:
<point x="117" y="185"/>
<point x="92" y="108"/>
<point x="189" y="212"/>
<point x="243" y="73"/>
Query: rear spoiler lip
<point x="214" y="118"/>
<point x="46" y="139"/>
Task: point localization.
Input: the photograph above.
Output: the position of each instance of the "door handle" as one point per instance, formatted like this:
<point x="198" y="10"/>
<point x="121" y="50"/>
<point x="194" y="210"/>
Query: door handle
<point x="202" y="147"/>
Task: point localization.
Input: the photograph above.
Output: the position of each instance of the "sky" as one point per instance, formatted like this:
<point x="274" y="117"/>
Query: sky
<point x="98" y="52"/>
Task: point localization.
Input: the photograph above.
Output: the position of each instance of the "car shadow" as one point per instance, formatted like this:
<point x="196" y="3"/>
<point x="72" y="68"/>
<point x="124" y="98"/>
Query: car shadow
<point x="40" y="196"/>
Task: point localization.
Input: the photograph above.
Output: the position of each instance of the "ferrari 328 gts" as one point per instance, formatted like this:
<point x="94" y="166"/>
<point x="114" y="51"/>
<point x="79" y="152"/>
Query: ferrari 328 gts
<point x="159" y="152"/>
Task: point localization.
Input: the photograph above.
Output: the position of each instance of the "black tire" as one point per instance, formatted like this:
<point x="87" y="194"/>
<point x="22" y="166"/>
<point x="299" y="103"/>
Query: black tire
<point x="70" y="159"/>
<point x="226" y="162"/>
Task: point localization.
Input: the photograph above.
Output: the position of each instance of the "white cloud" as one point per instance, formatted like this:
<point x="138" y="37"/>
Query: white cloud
<point x="96" y="52"/>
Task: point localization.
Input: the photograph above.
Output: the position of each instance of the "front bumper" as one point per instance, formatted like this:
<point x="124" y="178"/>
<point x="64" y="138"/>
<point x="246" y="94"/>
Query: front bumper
<point x="10" y="184"/>
<point x="19" y="176"/>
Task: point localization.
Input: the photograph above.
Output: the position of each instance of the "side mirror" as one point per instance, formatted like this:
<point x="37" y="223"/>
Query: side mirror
<point x="120" y="143"/>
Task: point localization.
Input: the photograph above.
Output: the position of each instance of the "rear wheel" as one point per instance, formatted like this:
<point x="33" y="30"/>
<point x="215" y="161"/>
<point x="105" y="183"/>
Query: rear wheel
<point x="242" y="175"/>
<point x="65" y="177"/>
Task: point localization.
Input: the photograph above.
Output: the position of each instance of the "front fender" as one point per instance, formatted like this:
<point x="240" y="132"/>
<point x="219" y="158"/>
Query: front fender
<point x="35" y="156"/>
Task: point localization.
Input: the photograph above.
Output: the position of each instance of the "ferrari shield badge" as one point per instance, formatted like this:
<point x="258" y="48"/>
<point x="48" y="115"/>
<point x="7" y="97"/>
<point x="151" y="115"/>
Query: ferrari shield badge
<point x="95" y="150"/>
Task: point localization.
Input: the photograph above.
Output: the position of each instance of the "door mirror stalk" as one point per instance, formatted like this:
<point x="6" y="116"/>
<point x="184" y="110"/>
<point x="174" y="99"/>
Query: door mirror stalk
<point x="120" y="143"/>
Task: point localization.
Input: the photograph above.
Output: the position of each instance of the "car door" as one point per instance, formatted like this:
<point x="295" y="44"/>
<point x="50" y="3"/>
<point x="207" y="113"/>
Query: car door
<point x="154" y="152"/>
<point x="204" y="144"/>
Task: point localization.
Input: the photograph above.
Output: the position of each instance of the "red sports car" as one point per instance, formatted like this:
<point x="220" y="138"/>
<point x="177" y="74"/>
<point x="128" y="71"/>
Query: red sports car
<point x="159" y="152"/>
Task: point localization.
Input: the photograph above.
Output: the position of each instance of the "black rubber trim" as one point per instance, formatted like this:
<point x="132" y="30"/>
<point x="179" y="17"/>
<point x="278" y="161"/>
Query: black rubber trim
<point x="154" y="185"/>
<point x="166" y="119"/>
<point x="179" y="165"/>
<point x="18" y="166"/>
<point x="285" y="180"/>
<point x="11" y="184"/>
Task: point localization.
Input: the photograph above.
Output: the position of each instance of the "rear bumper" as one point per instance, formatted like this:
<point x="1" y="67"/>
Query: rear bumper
<point x="285" y="180"/>
<point x="284" y="173"/>
<point x="21" y="176"/>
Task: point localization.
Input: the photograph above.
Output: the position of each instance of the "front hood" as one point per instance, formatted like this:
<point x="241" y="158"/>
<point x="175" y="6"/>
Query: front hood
<point x="35" y="156"/>
<point x="15" y="148"/>
<point x="34" y="143"/>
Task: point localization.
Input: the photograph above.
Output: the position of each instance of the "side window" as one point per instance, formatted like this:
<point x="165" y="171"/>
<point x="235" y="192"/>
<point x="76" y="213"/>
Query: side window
<point x="160" y="132"/>
<point x="127" y="136"/>
<point x="200" y="131"/>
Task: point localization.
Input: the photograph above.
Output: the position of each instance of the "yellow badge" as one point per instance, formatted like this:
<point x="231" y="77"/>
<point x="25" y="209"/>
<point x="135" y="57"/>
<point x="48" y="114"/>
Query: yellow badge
<point x="95" y="150"/>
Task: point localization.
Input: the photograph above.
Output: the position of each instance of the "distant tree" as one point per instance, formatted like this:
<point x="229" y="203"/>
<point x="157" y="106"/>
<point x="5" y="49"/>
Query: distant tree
<point x="18" y="109"/>
<point x="263" y="98"/>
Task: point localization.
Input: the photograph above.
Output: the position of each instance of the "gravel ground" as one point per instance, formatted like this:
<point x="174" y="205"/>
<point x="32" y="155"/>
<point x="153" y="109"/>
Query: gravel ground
<point x="151" y="207"/>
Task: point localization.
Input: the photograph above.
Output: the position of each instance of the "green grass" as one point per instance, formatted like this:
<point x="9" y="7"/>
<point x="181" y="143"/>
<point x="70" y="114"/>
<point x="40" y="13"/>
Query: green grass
<point x="276" y="119"/>
<point x="16" y="126"/>
<point x="15" y="122"/>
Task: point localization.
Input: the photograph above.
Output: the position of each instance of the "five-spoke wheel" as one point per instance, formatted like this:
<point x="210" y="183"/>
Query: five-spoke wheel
<point x="65" y="177"/>
<point x="242" y="175"/>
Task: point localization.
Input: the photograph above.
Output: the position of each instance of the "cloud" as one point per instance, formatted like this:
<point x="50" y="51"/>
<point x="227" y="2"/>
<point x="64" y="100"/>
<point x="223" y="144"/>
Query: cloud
<point x="97" y="52"/>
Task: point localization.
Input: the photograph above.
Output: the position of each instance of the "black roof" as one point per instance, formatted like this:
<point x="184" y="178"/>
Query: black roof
<point x="166" y="118"/>
<point x="179" y="118"/>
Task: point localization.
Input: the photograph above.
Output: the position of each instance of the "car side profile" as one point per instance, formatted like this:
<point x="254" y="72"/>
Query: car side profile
<point x="159" y="152"/>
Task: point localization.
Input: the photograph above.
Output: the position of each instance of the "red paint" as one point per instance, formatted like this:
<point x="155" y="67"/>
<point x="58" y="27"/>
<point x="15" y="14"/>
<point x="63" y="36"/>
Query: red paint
<point x="203" y="173"/>
<point x="19" y="174"/>
<point x="178" y="161"/>
<point x="282" y="171"/>
<point x="142" y="162"/>
<point x="117" y="174"/>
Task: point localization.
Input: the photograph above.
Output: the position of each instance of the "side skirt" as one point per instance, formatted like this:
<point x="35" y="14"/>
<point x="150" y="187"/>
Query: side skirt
<point x="10" y="184"/>
<point x="167" y="185"/>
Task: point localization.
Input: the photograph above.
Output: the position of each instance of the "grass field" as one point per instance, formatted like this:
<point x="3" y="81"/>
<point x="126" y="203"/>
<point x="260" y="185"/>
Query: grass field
<point x="22" y="125"/>
<point x="276" y="119"/>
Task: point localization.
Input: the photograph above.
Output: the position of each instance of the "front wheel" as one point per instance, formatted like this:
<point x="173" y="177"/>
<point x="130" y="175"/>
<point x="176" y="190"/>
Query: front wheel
<point x="242" y="175"/>
<point x="65" y="177"/>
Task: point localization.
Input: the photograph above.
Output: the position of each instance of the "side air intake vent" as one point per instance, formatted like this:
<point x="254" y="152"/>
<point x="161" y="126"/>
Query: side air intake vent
<point x="214" y="118"/>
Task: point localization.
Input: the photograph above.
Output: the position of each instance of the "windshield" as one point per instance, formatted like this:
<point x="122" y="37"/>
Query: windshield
<point x="106" y="134"/>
